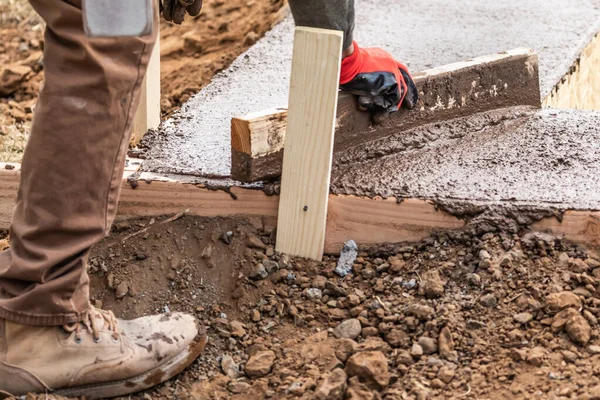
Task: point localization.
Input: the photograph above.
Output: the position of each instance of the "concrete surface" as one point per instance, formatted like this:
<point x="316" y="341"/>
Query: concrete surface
<point x="544" y="159"/>
<point x="423" y="34"/>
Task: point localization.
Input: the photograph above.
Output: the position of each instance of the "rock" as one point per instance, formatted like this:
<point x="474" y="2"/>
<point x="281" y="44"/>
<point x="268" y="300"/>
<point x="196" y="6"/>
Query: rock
<point x="260" y="364"/>
<point x="369" y="331"/>
<point x="474" y="324"/>
<point x="420" y="311"/>
<point x="319" y="282"/>
<point x="347" y="257"/>
<point x="371" y="367"/>
<point x="358" y="391"/>
<point x="349" y="329"/>
<point x="404" y="358"/>
<point x="314" y="294"/>
<point x="579" y="330"/>
<point x="446" y="374"/>
<point x="258" y="272"/>
<point x="122" y="290"/>
<point x="255" y="243"/>
<point x="229" y="367"/>
<point x="271" y="266"/>
<point x="489" y="300"/>
<point x="437" y="384"/>
<point x="445" y="341"/>
<point x="255" y="315"/>
<point x="10" y="78"/>
<point x="594" y="349"/>
<point x="428" y="345"/>
<point x="344" y="348"/>
<point x="333" y="386"/>
<point x="250" y="38"/>
<point x="396" y="264"/>
<point x="560" y="319"/>
<point x="335" y="290"/>
<point x="374" y="344"/>
<point x="432" y="285"/>
<point x="536" y="356"/>
<point x="474" y="279"/>
<point x="237" y="329"/>
<point x="416" y="350"/>
<point x="237" y="387"/>
<point x="561" y="300"/>
<point x="523" y="318"/>
<point x="397" y="338"/>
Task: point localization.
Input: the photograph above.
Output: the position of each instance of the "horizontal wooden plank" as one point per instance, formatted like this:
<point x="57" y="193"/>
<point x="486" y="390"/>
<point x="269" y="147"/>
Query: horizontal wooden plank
<point x="481" y="84"/>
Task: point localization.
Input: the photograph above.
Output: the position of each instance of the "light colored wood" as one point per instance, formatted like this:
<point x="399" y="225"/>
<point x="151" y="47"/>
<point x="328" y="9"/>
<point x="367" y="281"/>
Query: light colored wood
<point x="580" y="88"/>
<point x="376" y="221"/>
<point x="493" y="81"/>
<point x="366" y="221"/>
<point x="308" y="145"/>
<point x="147" y="115"/>
<point x="577" y="226"/>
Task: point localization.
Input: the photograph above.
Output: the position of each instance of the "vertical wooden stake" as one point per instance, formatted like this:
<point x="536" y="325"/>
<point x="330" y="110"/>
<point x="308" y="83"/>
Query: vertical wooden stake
<point x="148" y="112"/>
<point x="309" y="142"/>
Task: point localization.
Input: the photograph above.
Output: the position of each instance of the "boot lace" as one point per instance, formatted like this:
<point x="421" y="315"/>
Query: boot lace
<point x="92" y="327"/>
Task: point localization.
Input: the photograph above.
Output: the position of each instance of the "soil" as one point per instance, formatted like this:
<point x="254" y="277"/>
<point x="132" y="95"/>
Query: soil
<point x="458" y="315"/>
<point x="191" y="54"/>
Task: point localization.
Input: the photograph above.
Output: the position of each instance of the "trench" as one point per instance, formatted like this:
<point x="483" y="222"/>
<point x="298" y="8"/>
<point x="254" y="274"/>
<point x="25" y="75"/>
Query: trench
<point x="580" y="88"/>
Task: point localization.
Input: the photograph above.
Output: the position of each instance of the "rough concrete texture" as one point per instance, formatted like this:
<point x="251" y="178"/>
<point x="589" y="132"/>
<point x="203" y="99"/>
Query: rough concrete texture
<point x="423" y="34"/>
<point x="546" y="159"/>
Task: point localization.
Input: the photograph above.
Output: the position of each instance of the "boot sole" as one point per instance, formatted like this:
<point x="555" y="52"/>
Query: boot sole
<point x="144" y="381"/>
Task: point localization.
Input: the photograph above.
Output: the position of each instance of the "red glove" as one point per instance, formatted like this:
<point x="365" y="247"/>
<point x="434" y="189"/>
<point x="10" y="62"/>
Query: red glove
<point x="382" y="83"/>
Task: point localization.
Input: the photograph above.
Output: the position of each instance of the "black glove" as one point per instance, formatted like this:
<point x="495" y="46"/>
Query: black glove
<point x="174" y="10"/>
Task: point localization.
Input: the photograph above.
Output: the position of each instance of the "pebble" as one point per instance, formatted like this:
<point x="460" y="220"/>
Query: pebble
<point x="523" y="318"/>
<point x="271" y="266"/>
<point x="333" y="386"/>
<point x="428" y="345"/>
<point x="432" y="285"/>
<point x="416" y="350"/>
<point x="260" y="364"/>
<point x="489" y="300"/>
<point x="371" y="367"/>
<point x="348" y="329"/>
<point x="594" y="349"/>
<point x="347" y="257"/>
<point x="258" y="272"/>
<point x="122" y="290"/>
<point x="314" y="294"/>
<point x="446" y="374"/>
<point x="579" y="330"/>
<point x="230" y="368"/>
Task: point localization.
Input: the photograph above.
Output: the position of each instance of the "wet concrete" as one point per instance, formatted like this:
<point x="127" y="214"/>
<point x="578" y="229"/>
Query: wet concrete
<point x="423" y="34"/>
<point x="542" y="160"/>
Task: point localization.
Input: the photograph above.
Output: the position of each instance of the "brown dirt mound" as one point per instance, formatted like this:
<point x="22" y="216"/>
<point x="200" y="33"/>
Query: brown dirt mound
<point x="191" y="54"/>
<point x="490" y="316"/>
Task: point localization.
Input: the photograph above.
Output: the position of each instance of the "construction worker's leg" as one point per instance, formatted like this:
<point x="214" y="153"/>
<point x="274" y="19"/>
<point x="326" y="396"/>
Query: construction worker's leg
<point x="72" y="167"/>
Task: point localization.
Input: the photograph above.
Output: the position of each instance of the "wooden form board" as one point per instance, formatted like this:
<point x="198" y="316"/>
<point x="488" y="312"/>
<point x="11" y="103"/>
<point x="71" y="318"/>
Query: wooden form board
<point x="366" y="221"/>
<point x="481" y="84"/>
<point x="316" y="62"/>
<point x="147" y="115"/>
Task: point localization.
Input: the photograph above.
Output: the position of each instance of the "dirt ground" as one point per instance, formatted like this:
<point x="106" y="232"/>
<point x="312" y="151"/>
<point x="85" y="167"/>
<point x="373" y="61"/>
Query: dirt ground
<point x="191" y="54"/>
<point x="460" y="315"/>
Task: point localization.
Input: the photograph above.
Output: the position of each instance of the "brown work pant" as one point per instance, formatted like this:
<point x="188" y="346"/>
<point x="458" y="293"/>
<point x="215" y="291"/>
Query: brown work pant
<point x="72" y="168"/>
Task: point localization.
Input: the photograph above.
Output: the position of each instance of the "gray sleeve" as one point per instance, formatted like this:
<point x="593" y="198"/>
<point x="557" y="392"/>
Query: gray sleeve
<point x="327" y="14"/>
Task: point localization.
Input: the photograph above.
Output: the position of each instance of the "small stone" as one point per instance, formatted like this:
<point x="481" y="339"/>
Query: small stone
<point x="410" y="284"/>
<point x="561" y="300"/>
<point x="229" y="367"/>
<point x="536" y="356"/>
<point x="271" y="266"/>
<point x="404" y="358"/>
<point x="579" y="330"/>
<point x="11" y="77"/>
<point x="250" y="38"/>
<point x="416" y="350"/>
<point x="594" y="349"/>
<point x="314" y="294"/>
<point x="335" y="290"/>
<point x="255" y="315"/>
<point x="344" y="348"/>
<point x="369" y="331"/>
<point x="122" y="290"/>
<point x="428" y="345"/>
<point x="349" y="329"/>
<point x="523" y="318"/>
<point x="260" y="364"/>
<point x="446" y="374"/>
<point x="333" y="386"/>
<point x="445" y="342"/>
<point x="371" y="367"/>
<point x="489" y="300"/>
<point x="437" y="384"/>
<point x="397" y="338"/>
<point x="319" y="282"/>
<point x="474" y="279"/>
<point x="474" y="324"/>
<point x="258" y="272"/>
<point x="432" y="285"/>
<point x="422" y="312"/>
<point x="237" y="329"/>
<point x="237" y="387"/>
<point x="347" y="257"/>
<point x="255" y="243"/>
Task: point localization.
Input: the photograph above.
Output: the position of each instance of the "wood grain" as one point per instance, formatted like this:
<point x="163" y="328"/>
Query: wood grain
<point x="306" y="168"/>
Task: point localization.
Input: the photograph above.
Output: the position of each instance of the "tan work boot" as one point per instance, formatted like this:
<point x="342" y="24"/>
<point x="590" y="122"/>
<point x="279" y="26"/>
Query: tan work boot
<point x="99" y="357"/>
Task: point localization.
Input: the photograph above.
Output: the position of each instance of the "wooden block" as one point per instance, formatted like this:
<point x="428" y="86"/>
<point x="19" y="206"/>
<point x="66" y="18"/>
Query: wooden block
<point x="147" y="115"/>
<point x="309" y="142"/>
<point x="459" y="89"/>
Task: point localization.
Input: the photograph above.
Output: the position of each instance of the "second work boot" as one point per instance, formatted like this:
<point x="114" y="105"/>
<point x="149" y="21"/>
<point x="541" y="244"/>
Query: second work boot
<point x="99" y="357"/>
